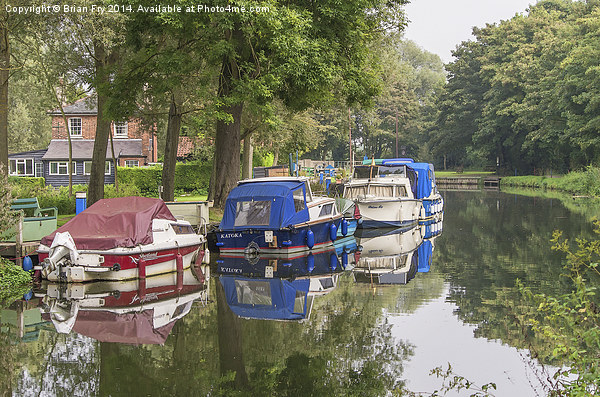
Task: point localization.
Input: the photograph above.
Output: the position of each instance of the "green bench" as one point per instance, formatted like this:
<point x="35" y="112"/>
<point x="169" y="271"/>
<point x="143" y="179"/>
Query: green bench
<point x="37" y="222"/>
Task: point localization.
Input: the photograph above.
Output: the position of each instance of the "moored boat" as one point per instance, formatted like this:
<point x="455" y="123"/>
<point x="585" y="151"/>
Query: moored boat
<point x="384" y="196"/>
<point x="119" y="239"/>
<point x="274" y="215"/>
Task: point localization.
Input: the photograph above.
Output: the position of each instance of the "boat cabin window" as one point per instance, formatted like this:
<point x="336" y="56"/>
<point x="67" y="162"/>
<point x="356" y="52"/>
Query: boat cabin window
<point x="402" y="191"/>
<point x="253" y="292"/>
<point x="365" y="172"/>
<point x="299" y="302"/>
<point x="326" y="210"/>
<point x="308" y="192"/>
<point x="381" y="191"/>
<point x="182" y="229"/>
<point x="399" y="170"/>
<point x="252" y="213"/>
<point x="354" y="192"/>
<point x="299" y="203"/>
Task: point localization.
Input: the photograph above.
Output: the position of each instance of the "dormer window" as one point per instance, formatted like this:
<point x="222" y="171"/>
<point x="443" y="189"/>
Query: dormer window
<point x="75" y="126"/>
<point x="120" y="129"/>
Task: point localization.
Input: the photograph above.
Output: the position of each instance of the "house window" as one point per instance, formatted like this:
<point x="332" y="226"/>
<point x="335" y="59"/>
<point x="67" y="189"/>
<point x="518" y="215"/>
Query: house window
<point x="132" y="163"/>
<point x="87" y="168"/>
<point x="75" y="126"/>
<point x="21" y="167"/>
<point x="61" y="168"/>
<point x="120" y="129"/>
<point x="39" y="170"/>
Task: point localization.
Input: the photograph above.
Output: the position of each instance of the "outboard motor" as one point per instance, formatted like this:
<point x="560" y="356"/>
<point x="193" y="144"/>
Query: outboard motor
<point x="62" y="253"/>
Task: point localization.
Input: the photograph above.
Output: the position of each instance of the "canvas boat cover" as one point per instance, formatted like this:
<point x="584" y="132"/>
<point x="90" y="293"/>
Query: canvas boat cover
<point x="265" y="205"/>
<point x="130" y="328"/>
<point x="112" y="223"/>
<point x="267" y="298"/>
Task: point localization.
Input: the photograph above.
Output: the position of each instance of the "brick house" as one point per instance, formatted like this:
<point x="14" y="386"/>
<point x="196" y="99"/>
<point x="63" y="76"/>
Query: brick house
<point x="134" y="145"/>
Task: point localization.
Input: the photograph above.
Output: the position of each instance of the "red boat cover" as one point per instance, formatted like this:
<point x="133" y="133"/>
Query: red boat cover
<point x="130" y="328"/>
<point x="116" y="222"/>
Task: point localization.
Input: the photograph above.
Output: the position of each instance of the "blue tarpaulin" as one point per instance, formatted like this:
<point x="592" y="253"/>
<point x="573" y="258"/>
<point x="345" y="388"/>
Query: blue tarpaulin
<point x="266" y="298"/>
<point x="265" y="205"/>
<point x="425" y="174"/>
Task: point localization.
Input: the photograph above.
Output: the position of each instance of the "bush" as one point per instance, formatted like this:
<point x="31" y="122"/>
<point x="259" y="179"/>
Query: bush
<point x="14" y="282"/>
<point x="192" y="177"/>
<point x="585" y="182"/>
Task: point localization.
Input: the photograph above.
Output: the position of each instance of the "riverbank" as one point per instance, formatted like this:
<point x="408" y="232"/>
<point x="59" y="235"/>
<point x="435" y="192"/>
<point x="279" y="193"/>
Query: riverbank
<point x="583" y="183"/>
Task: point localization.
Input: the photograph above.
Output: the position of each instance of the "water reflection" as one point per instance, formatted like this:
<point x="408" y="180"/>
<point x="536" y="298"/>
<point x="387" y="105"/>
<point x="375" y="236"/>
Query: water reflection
<point x="134" y="312"/>
<point x="280" y="287"/>
<point x="394" y="256"/>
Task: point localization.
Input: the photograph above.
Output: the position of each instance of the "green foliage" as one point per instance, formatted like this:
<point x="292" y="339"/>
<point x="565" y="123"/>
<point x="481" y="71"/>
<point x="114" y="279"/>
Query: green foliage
<point x="571" y="321"/>
<point x="585" y="182"/>
<point x="14" y="282"/>
<point x="192" y="177"/>
<point x="524" y="92"/>
<point x="7" y="217"/>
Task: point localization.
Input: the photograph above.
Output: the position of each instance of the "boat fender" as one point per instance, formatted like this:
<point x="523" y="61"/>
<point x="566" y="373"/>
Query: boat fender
<point x="332" y="231"/>
<point x="27" y="263"/>
<point x="344" y="227"/>
<point x="310" y="262"/>
<point x="344" y="260"/>
<point x="179" y="263"/>
<point x="333" y="261"/>
<point x="310" y="239"/>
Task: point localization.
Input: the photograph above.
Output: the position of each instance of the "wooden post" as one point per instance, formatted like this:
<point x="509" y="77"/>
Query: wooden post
<point x="19" y="241"/>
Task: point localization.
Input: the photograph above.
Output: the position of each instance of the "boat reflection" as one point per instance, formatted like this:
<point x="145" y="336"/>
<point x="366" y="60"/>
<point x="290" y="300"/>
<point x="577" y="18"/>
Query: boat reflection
<point x="394" y="256"/>
<point x="279" y="287"/>
<point x="133" y="312"/>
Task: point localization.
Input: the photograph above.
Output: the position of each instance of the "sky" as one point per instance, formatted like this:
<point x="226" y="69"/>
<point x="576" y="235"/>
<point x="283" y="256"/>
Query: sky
<point x="438" y="26"/>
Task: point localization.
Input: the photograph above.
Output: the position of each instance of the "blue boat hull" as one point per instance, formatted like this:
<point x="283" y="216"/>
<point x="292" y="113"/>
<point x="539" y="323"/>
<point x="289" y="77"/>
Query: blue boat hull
<point x="293" y="239"/>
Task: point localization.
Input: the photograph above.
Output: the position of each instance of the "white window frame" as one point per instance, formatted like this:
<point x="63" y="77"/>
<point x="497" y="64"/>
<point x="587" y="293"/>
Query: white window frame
<point x="107" y="167"/>
<point x="72" y="128"/>
<point x="62" y="165"/>
<point x="132" y="163"/>
<point x="14" y="166"/>
<point x="120" y="129"/>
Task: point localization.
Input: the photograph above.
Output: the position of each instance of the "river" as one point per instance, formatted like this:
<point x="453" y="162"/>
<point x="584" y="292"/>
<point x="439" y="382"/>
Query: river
<point x="322" y="325"/>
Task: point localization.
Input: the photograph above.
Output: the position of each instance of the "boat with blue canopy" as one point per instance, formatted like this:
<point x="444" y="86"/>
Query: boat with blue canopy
<point x="396" y="193"/>
<point x="267" y="298"/>
<point x="276" y="214"/>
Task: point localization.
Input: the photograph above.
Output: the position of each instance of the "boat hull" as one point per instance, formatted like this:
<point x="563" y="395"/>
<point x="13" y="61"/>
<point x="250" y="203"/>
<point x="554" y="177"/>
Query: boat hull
<point x="124" y="263"/>
<point x="400" y="213"/>
<point x="289" y="240"/>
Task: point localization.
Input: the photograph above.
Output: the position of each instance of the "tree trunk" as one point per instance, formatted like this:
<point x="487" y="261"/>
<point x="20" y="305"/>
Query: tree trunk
<point x="4" y="74"/>
<point x="168" y="172"/>
<point x="248" y="155"/>
<point x="276" y="157"/>
<point x="229" y="328"/>
<point x="96" y="185"/>
<point x="227" y="142"/>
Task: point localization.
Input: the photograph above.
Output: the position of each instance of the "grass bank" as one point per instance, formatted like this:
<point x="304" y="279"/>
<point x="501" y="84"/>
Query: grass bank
<point x="585" y="183"/>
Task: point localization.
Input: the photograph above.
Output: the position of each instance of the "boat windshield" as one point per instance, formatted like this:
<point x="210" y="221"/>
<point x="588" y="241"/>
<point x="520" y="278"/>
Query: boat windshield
<point x="299" y="203"/>
<point x="253" y="292"/>
<point x="355" y="192"/>
<point x="399" y="170"/>
<point x="252" y="213"/>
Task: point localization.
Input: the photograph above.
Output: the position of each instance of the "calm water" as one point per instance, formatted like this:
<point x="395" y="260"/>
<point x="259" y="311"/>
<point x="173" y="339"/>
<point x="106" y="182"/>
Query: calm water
<point x="323" y="325"/>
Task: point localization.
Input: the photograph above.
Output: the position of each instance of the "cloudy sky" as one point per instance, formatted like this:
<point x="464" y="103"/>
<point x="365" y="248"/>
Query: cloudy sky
<point x="439" y="25"/>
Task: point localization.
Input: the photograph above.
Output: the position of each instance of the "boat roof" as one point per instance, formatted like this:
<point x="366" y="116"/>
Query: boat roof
<point x="265" y="204"/>
<point x="275" y="179"/>
<point x="114" y="222"/>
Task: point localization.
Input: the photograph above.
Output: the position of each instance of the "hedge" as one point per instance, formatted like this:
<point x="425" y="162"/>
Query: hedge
<point x="189" y="178"/>
<point x="585" y="182"/>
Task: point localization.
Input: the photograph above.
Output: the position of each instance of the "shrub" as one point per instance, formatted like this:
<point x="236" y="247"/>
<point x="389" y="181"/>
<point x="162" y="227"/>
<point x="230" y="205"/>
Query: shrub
<point x="14" y="282"/>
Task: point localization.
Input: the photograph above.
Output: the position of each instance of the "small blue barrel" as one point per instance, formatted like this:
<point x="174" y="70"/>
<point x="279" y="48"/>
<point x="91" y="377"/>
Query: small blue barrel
<point x="27" y="264"/>
<point x="80" y="202"/>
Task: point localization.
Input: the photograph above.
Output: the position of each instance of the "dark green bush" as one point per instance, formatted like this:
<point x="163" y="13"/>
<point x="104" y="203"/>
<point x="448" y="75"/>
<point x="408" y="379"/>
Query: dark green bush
<point x="190" y="177"/>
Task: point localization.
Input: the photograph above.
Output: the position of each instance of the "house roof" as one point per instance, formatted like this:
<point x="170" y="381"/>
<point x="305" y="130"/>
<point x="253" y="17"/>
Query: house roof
<point x="30" y="153"/>
<point x="83" y="149"/>
<point x="186" y="146"/>
<point x="81" y="107"/>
